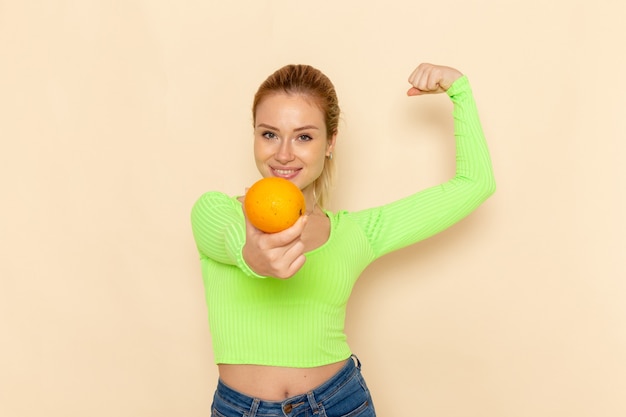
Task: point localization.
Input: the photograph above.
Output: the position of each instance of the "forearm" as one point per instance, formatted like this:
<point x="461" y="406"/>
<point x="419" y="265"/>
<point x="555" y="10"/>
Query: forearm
<point x="473" y="162"/>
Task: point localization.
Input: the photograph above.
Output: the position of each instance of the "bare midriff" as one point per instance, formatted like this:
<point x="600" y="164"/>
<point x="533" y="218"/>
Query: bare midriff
<point x="274" y="383"/>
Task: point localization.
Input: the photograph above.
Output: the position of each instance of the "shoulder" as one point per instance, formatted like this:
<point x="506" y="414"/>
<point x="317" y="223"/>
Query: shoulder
<point x="362" y="219"/>
<point x="213" y="200"/>
<point x="216" y="197"/>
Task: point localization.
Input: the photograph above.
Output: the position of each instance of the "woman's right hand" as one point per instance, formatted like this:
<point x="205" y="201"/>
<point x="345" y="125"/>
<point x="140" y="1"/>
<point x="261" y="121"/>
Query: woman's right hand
<point x="279" y="255"/>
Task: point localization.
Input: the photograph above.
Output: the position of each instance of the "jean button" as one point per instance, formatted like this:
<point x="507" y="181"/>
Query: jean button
<point x="287" y="408"/>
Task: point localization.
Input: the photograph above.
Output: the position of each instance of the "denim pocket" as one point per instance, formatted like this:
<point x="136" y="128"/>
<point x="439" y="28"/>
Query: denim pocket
<point x="350" y="400"/>
<point x="216" y="413"/>
<point x="221" y="408"/>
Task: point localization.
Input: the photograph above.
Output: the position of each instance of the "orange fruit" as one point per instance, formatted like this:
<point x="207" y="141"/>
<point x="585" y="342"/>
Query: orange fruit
<point x="273" y="204"/>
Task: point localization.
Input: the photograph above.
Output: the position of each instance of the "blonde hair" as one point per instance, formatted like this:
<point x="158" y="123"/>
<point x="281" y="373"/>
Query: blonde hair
<point x="311" y="82"/>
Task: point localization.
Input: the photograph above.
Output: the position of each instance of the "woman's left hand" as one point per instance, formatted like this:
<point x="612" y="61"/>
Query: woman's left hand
<point x="432" y="79"/>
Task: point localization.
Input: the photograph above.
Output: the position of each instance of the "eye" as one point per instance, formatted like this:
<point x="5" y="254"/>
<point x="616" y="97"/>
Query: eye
<point x="269" y="135"/>
<point x="304" y="138"/>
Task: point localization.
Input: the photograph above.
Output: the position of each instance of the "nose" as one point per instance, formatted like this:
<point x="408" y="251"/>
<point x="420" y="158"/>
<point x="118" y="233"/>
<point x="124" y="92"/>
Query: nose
<point x="284" y="153"/>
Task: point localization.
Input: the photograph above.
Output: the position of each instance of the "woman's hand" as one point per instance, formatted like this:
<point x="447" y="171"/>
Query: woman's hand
<point x="432" y="79"/>
<point x="278" y="255"/>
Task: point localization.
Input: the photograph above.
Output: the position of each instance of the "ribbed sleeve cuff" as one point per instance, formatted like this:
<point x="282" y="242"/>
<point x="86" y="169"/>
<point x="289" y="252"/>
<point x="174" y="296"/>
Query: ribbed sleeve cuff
<point x="461" y="85"/>
<point x="241" y="263"/>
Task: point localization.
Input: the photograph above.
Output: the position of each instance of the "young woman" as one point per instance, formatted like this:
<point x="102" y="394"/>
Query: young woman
<point x="277" y="302"/>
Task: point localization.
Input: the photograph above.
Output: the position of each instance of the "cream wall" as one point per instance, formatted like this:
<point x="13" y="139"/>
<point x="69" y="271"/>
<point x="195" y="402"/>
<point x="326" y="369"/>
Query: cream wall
<point x="116" y="115"/>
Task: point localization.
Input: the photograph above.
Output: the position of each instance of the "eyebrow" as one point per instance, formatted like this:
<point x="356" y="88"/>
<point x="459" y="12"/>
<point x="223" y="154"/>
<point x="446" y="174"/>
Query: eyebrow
<point x="299" y="129"/>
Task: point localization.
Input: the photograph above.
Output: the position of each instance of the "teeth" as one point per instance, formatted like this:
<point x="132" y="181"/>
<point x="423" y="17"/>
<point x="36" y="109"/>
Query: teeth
<point x="285" y="171"/>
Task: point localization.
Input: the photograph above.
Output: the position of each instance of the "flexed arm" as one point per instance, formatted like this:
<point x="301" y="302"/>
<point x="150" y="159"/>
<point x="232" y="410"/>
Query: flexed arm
<point x="430" y="211"/>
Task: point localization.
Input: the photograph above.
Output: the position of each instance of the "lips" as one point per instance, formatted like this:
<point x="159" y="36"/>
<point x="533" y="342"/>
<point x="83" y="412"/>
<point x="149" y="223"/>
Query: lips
<point x="286" y="173"/>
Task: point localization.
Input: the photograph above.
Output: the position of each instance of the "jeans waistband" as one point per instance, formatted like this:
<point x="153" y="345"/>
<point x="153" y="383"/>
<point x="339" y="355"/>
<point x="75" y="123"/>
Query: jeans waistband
<point x="253" y="405"/>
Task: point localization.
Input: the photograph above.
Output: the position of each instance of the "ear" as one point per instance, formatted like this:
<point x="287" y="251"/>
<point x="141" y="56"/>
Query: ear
<point x="330" y="147"/>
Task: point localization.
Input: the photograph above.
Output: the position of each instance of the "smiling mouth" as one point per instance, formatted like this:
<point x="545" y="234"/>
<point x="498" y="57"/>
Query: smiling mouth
<point x="285" y="173"/>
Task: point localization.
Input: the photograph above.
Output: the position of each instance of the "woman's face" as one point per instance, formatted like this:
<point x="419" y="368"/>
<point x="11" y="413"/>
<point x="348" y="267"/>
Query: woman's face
<point x="290" y="140"/>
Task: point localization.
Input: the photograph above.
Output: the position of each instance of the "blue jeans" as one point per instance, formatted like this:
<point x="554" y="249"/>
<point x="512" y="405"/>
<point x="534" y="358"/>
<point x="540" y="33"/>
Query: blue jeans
<point x="343" y="395"/>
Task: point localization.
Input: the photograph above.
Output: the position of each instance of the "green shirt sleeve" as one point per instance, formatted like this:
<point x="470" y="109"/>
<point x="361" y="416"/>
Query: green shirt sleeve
<point x="218" y="227"/>
<point x="421" y="215"/>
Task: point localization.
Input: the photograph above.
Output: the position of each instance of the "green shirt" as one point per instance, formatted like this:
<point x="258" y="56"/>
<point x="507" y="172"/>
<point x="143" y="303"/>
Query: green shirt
<point x="299" y="322"/>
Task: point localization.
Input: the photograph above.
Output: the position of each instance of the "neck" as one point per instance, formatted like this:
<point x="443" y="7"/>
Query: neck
<point x="313" y="210"/>
<point x="310" y="200"/>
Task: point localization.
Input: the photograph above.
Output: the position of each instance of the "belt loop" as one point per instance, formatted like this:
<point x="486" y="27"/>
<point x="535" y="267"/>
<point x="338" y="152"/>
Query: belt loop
<point x="254" y="407"/>
<point x="312" y="402"/>
<point x="358" y="362"/>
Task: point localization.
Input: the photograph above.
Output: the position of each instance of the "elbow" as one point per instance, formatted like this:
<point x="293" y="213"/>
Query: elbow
<point x="484" y="188"/>
<point x="479" y="188"/>
<point x="489" y="187"/>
